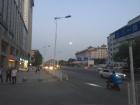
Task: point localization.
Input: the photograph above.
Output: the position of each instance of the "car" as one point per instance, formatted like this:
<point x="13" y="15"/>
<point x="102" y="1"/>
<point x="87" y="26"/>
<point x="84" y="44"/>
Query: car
<point x="99" y="68"/>
<point x="51" y="67"/>
<point x="122" y="75"/>
<point x="106" y="73"/>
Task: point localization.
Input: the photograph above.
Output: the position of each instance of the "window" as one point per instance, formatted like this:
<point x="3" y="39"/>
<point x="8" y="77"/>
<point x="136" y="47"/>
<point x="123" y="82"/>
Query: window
<point x="85" y="58"/>
<point x="5" y="13"/>
<point x="106" y="70"/>
<point x="79" y="59"/>
<point x="1" y="7"/>
<point x="135" y="27"/>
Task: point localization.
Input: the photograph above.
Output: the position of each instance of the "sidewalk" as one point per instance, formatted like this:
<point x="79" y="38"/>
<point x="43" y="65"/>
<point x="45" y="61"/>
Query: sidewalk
<point x="58" y="74"/>
<point x="138" y="93"/>
<point x="32" y="77"/>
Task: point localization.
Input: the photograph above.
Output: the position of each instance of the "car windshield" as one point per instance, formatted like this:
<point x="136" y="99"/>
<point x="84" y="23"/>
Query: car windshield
<point x="106" y="70"/>
<point x="65" y="52"/>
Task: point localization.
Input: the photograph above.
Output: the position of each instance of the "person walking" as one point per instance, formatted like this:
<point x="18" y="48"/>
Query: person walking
<point x="14" y="75"/>
<point x="1" y="74"/>
<point x="37" y="69"/>
<point x="8" y="75"/>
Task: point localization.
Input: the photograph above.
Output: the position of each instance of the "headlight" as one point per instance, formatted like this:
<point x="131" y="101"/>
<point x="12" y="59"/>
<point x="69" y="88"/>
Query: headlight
<point x="117" y="75"/>
<point x="124" y="75"/>
<point x="51" y="67"/>
<point x="46" y="67"/>
<point x="57" y="66"/>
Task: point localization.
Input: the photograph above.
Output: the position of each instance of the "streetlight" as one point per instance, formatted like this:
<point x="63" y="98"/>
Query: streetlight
<point x="56" y="18"/>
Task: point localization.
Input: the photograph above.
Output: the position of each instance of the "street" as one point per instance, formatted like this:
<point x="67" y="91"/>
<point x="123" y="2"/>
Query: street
<point x="80" y="87"/>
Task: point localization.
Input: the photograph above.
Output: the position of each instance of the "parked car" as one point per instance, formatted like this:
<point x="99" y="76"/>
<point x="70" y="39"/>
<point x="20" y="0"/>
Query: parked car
<point x="106" y="73"/>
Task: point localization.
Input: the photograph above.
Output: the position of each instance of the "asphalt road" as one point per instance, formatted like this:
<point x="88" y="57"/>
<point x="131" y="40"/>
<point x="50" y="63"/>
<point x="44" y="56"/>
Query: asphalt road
<point x="81" y="88"/>
<point x="93" y="87"/>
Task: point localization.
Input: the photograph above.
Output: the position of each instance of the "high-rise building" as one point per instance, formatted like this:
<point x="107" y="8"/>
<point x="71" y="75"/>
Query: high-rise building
<point x="15" y="31"/>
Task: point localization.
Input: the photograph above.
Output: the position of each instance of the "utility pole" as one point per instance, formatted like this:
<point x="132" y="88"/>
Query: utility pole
<point x="132" y="81"/>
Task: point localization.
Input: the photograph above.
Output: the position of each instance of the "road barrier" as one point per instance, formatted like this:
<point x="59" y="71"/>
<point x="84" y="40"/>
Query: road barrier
<point x="59" y="74"/>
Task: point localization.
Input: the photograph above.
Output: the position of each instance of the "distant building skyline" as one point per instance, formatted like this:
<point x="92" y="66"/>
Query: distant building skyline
<point x="92" y="54"/>
<point x="91" y="22"/>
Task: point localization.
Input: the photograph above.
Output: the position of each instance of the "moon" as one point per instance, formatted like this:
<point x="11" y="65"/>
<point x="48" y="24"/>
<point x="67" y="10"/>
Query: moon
<point x="70" y="43"/>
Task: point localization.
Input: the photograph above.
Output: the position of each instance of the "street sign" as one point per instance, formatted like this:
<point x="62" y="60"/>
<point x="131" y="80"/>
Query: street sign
<point x="127" y="30"/>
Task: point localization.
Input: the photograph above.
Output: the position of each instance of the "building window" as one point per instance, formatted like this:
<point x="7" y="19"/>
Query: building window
<point x="79" y="59"/>
<point x="85" y="59"/>
<point x="9" y="15"/>
<point x="12" y="17"/>
<point x="5" y="12"/>
<point x="135" y="27"/>
<point x="1" y="9"/>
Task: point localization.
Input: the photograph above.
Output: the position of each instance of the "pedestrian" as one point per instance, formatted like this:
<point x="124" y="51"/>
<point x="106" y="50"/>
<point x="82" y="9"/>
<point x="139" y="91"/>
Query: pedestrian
<point x="1" y="74"/>
<point x="14" y="75"/>
<point x="37" y="69"/>
<point x="8" y="75"/>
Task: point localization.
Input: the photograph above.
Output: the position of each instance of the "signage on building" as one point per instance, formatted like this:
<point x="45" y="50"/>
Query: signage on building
<point x="127" y="30"/>
<point x="11" y="58"/>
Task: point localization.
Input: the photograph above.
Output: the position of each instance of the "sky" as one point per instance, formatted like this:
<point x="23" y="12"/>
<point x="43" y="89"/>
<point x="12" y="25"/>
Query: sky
<point x="91" y="22"/>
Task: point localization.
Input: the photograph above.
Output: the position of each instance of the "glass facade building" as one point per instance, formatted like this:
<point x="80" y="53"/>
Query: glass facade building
<point x="15" y="36"/>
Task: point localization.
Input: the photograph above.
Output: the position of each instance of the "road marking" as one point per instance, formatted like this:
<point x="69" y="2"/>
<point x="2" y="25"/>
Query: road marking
<point x="95" y="85"/>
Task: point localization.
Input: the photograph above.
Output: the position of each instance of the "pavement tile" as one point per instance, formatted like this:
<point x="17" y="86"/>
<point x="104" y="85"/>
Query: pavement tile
<point x="32" y="76"/>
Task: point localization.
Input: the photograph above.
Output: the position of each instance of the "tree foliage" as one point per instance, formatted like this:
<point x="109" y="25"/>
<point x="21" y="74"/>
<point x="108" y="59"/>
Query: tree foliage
<point x="136" y="51"/>
<point x="37" y="59"/>
<point x="123" y="53"/>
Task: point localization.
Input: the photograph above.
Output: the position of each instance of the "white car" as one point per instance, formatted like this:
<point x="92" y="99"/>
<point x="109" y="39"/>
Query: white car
<point x="106" y="73"/>
<point x="99" y="69"/>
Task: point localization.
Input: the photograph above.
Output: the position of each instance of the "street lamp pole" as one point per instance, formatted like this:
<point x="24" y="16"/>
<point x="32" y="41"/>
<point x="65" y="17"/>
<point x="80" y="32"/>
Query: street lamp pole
<point x="56" y="28"/>
<point x="55" y="40"/>
<point x="132" y="82"/>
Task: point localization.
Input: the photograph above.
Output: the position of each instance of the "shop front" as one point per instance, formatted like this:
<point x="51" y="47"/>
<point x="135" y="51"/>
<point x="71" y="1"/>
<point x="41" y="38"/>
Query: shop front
<point x="11" y="61"/>
<point x="23" y="64"/>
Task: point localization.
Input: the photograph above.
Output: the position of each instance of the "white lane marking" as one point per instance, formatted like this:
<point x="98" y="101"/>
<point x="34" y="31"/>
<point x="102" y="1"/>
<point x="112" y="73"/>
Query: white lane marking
<point x="95" y="85"/>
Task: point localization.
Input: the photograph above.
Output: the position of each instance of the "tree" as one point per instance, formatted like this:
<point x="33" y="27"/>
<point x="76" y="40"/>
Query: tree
<point x="63" y="62"/>
<point x="70" y="61"/>
<point x="37" y="59"/>
<point x="123" y="53"/>
<point x="136" y="51"/>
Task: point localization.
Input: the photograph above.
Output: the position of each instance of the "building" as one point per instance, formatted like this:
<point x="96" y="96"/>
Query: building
<point x="120" y="36"/>
<point x="15" y="31"/>
<point x="91" y="55"/>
